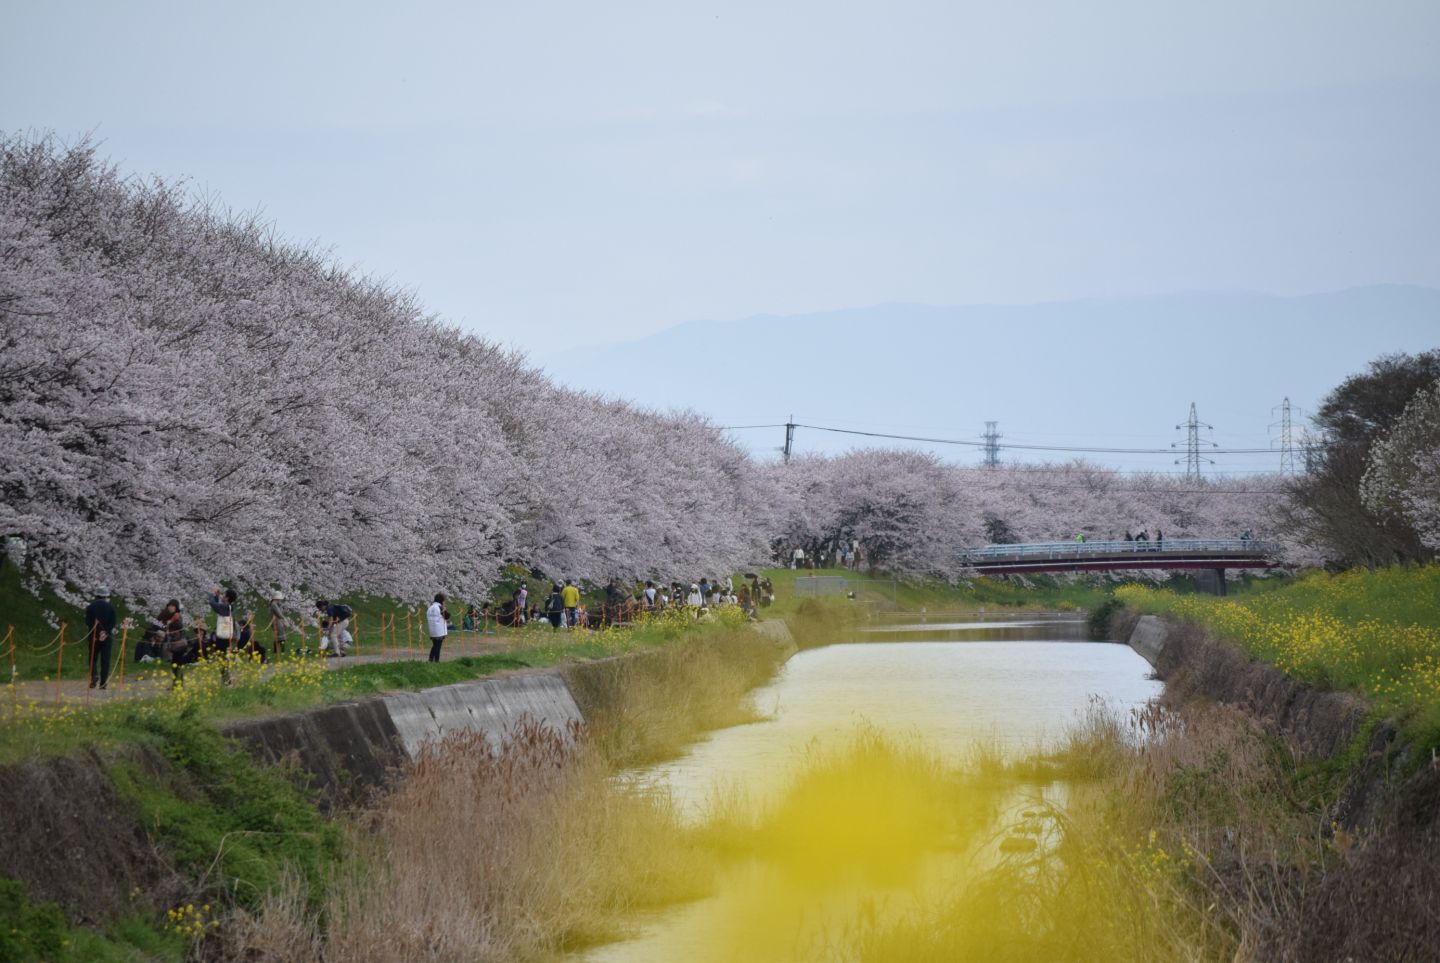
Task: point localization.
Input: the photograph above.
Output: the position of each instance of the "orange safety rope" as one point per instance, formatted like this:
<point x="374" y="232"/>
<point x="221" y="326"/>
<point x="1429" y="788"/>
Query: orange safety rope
<point x="409" y="631"/>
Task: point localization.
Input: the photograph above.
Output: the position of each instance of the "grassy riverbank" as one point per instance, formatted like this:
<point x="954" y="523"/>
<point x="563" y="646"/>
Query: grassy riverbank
<point x="191" y="841"/>
<point x="1377" y="632"/>
<point x="882" y="593"/>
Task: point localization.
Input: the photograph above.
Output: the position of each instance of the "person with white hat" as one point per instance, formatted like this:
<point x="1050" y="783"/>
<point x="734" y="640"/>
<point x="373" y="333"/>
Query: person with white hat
<point x="100" y="619"/>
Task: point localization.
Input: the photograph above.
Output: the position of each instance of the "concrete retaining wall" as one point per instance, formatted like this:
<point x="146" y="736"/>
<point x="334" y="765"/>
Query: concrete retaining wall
<point x="1148" y="638"/>
<point x="350" y="748"/>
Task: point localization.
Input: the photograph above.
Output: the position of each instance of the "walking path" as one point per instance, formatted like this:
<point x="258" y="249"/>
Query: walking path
<point x="150" y="680"/>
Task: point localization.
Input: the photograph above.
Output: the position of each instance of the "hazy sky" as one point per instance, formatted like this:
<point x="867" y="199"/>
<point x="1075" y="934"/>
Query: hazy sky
<point x="560" y="173"/>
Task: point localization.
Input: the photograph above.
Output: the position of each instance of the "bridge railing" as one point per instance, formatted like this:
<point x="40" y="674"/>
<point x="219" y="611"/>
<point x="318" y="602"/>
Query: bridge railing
<point x="1058" y="550"/>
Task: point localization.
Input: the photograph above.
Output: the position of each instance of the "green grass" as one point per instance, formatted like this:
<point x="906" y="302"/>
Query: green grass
<point x="39" y="933"/>
<point x="224" y="819"/>
<point x="1377" y="632"/>
<point x="935" y="595"/>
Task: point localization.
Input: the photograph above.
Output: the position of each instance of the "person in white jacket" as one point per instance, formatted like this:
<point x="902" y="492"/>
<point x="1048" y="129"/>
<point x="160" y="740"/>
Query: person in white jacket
<point x="437" y="625"/>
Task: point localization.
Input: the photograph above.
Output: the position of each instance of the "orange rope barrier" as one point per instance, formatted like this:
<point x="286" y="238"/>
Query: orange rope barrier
<point x="409" y="631"/>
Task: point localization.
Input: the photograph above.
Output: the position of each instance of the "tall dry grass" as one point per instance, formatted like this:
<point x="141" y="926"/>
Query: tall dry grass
<point x="649" y="707"/>
<point x="492" y="853"/>
<point x="518" y="851"/>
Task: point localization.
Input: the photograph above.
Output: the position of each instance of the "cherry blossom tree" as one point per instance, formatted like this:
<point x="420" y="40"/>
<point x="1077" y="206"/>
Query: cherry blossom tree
<point x="1403" y="477"/>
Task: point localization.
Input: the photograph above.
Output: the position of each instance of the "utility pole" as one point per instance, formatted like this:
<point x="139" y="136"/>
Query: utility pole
<point x="1287" y="438"/>
<point x="1193" y="441"/>
<point x="992" y="445"/>
<point x="789" y="438"/>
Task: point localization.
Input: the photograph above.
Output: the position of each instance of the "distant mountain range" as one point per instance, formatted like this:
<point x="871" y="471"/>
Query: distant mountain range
<point x="1113" y="373"/>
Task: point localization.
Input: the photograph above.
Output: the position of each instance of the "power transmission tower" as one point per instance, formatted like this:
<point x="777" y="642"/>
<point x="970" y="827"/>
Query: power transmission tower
<point x="789" y="438"/>
<point x="992" y="445"/>
<point x="1193" y="441"/>
<point x="1287" y="438"/>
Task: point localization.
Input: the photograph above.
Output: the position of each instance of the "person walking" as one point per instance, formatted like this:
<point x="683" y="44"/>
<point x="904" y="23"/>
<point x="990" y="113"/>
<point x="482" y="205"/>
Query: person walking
<point x="437" y="624"/>
<point x="570" y="597"/>
<point x="100" y="620"/>
<point x="279" y="622"/>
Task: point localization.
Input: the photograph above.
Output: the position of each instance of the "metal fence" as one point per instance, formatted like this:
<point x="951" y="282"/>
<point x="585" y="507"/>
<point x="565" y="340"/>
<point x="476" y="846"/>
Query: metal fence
<point x="1061" y="550"/>
<point x="815" y="585"/>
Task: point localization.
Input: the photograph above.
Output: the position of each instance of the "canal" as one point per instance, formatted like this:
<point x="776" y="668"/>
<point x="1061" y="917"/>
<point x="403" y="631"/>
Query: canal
<point x="935" y="695"/>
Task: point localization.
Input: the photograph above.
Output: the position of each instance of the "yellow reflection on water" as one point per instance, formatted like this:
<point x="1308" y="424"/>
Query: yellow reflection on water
<point x="871" y="835"/>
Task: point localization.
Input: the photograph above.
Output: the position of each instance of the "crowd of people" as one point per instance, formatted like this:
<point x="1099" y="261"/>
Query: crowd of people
<point x="834" y="553"/>
<point x="170" y="640"/>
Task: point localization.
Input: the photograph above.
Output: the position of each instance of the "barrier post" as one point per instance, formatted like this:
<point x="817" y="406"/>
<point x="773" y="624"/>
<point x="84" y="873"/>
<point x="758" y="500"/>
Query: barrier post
<point x="409" y="630"/>
<point x="60" y="663"/>
<point x="355" y="636"/>
<point x="14" y="688"/>
<point x="124" y="637"/>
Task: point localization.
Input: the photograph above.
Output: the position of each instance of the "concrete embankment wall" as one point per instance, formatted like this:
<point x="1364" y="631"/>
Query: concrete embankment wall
<point x="1316" y="723"/>
<point x="1193" y="663"/>
<point x="350" y="748"/>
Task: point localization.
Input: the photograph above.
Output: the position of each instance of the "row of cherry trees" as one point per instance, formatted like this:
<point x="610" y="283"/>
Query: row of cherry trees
<point x="910" y="511"/>
<point x="186" y="399"/>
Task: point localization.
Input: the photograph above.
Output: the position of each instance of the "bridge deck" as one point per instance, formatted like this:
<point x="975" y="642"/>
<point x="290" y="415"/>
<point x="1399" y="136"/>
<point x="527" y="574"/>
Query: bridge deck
<point x="1112" y="556"/>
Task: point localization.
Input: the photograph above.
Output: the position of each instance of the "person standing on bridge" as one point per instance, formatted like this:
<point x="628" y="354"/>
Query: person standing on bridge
<point x="437" y="625"/>
<point x="1159" y="540"/>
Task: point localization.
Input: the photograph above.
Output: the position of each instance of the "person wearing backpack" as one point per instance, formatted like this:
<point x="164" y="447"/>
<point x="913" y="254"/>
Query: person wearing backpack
<point x="554" y="606"/>
<point x="437" y="625"/>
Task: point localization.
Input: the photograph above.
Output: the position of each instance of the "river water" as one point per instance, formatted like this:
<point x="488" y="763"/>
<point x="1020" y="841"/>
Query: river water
<point x="1010" y="684"/>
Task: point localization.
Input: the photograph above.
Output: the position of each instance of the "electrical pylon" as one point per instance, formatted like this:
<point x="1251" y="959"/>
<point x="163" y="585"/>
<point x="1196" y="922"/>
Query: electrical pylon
<point x="1193" y="441"/>
<point x="992" y="445"/>
<point x="1287" y="437"/>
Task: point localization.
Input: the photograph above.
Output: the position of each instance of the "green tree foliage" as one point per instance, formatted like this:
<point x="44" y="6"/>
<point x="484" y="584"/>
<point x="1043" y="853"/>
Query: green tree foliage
<point x="1326" y="507"/>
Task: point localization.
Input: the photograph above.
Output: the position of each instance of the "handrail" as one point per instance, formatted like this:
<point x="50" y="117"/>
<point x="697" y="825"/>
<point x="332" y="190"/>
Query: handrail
<point x="1046" y="550"/>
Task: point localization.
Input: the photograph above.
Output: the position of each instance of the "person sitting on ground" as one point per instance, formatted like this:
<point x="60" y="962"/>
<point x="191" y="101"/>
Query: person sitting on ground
<point x="247" y="644"/>
<point x="506" y="615"/>
<point x="151" y="646"/>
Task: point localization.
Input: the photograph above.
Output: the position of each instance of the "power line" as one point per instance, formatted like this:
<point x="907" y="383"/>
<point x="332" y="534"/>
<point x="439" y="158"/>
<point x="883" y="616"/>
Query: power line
<point x="1059" y="448"/>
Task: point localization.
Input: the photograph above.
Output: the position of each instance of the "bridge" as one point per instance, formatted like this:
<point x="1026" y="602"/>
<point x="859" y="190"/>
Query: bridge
<point x="1214" y="554"/>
